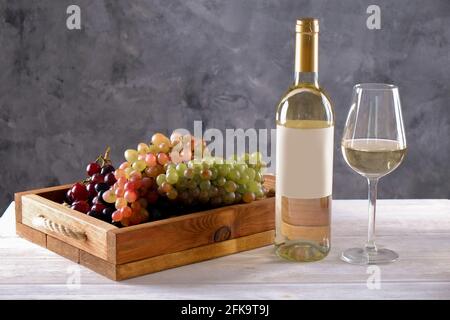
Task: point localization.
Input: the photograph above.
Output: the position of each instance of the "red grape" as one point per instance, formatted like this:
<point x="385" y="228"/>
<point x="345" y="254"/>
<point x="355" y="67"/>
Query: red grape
<point x="81" y="206"/>
<point x="91" y="190"/>
<point x="110" y="179"/>
<point x="98" y="207"/>
<point x="69" y="196"/>
<point x="97" y="178"/>
<point x="93" y="168"/>
<point x="107" y="169"/>
<point x="79" y="192"/>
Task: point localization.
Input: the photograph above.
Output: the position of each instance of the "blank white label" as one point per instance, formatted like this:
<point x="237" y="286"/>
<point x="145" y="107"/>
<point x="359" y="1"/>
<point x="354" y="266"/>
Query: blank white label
<point x="304" y="162"/>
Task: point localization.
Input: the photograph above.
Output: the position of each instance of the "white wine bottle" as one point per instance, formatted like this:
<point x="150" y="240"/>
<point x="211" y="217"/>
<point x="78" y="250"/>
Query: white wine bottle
<point x="304" y="156"/>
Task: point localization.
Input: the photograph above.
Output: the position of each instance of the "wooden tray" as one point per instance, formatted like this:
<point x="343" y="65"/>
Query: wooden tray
<point x="122" y="253"/>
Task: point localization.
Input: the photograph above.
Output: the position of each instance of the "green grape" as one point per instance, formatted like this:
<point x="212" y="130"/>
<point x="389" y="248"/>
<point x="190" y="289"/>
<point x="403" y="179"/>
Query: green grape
<point x="172" y="177"/>
<point x="191" y="184"/>
<point x="160" y="179"/>
<point x="238" y="197"/>
<point x="181" y="167"/>
<point x="139" y="165"/>
<point x="234" y="175"/>
<point x="221" y="191"/>
<point x="214" y="173"/>
<point x="206" y="174"/>
<point x="229" y="197"/>
<point x="241" y="167"/>
<point x="220" y="181"/>
<point x="170" y="166"/>
<point x="153" y="149"/>
<point x="259" y="177"/>
<point x="259" y="193"/>
<point x="230" y="186"/>
<point x="253" y="186"/>
<point x="242" y="188"/>
<point x="131" y="155"/>
<point x="250" y="172"/>
<point x="189" y="173"/>
<point x="195" y="192"/>
<point x="213" y="191"/>
<point x="205" y="165"/>
<point x="244" y="179"/>
<point x="248" y="197"/>
<point x="197" y="168"/>
<point x="181" y="183"/>
<point x="205" y="185"/>
<point x="224" y="170"/>
<point x="172" y="194"/>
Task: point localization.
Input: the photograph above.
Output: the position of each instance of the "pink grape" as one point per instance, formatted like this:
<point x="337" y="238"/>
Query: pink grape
<point x="119" y="173"/>
<point x="162" y="158"/>
<point x="130" y="196"/>
<point x="117" y="215"/>
<point x="150" y="160"/>
<point x="119" y="192"/>
<point x="121" y="181"/>
<point x="126" y="212"/>
<point x="120" y="203"/>
<point x="124" y="165"/>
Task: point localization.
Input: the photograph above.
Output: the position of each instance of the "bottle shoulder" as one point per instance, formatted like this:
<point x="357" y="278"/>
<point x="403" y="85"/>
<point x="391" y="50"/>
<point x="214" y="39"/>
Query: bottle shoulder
<point x="305" y="102"/>
<point x="304" y="91"/>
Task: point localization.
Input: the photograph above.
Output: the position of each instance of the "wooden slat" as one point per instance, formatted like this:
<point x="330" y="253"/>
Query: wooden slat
<point x="193" y="230"/>
<point x="63" y="249"/>
<point x="96" y="230"/>
<point x="215" y="250"/>
<point x="98" y="265"/>
<point x="31" y="234"/>
<point x="47" y="192"/>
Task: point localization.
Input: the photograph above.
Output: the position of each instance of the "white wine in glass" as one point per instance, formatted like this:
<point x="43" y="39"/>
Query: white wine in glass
<point x="374" y="145"/>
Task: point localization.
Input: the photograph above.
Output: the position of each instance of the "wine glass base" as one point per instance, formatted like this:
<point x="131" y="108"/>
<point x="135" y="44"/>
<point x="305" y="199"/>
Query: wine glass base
<point x="361" y="256"/>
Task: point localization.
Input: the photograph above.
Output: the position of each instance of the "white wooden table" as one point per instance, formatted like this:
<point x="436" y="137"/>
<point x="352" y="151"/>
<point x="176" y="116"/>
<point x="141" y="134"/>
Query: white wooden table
<point x="419" y="230"/>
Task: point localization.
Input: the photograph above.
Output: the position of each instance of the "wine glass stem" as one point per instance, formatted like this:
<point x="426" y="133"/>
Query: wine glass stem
<point x="370" y="245"/>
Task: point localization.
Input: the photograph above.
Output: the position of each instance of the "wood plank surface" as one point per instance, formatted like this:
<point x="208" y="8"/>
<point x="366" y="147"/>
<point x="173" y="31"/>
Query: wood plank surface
<point x="419" y="230"/>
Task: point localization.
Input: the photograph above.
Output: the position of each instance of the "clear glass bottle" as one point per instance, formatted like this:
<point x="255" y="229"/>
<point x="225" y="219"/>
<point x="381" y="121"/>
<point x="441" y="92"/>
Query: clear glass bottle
<point x="304" y="170"/>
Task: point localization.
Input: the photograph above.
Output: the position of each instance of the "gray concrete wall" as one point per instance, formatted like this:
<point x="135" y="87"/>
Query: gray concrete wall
<point x="142" y="66"/>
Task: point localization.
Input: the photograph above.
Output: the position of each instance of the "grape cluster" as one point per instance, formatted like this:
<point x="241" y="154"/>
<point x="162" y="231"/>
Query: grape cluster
<point x="164" y="174"/>
<point x="163" y="177"/>
<point x="212" y="182"/>
<point x="87" y="196"/>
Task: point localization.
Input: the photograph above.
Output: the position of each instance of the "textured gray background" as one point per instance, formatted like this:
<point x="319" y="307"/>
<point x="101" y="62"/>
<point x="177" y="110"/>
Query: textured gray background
<point x="141" y="66"/>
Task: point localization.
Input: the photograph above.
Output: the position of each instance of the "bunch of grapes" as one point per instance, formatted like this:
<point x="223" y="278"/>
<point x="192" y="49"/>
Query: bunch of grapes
<point x="164" y="172"/>
<point x="87" y="196"/>
<point x="213" y="182"/>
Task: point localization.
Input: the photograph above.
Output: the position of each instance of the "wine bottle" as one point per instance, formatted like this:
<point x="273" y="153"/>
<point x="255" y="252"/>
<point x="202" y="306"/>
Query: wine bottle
<point x="304" y="156"/>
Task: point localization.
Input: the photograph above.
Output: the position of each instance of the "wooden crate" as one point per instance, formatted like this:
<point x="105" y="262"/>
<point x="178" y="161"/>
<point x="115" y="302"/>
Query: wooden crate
<point x="122" y="253"/>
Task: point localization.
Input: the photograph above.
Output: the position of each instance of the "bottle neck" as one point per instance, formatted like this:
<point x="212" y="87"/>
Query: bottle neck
<point x="311" y="78"/>
<point x="306" y="58"/>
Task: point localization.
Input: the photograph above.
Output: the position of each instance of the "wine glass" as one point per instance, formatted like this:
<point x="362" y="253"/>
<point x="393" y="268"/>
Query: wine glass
<point x="374" y="145"/>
